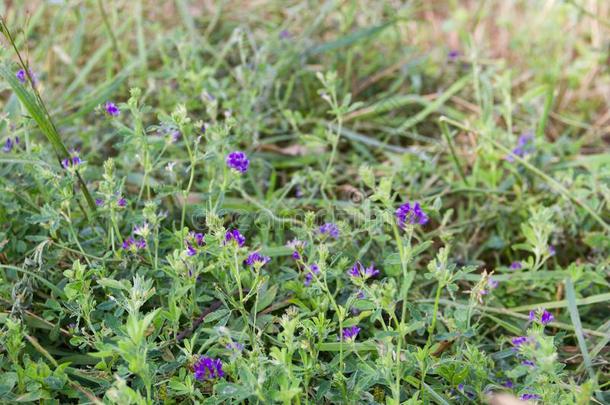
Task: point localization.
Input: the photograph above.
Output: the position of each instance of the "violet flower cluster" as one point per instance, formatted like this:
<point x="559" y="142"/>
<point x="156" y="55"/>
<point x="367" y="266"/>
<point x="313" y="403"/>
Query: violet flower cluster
<point x="112" y="109"/>
<point x="297" y="247"/>
<point x="194" y="240"/>
<point x="329" y="229"/>
<point x="238" y="161"/>
<point x="359" y="271"/>
<point x="9" y="144"/>
<point x="234" y="236"/>
<point x="524" y="147"/>
<point x="207" y="368"/>
<point x="410" y="214"/>
<point x="71" y="162"/>
<point x="256" y="257"/>
<point x="313" y="269"/>
<point x="133" y="245"/>
<point x="545" y="317"/>
<point x="350" y="333"/>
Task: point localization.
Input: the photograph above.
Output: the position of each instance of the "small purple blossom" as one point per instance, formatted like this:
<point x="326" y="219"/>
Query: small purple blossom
<point x="519" y="340"/>
<point x="112" y="109"/>
<point x="99" y="202"/>
<point x="360" y="295"/>
<point x="71" y="162"/>
<point x="349" y="334"/>
<point x="8" y="145"/>
<point x="190" y="250"/>
<point x="523" y="147"/>
<point x="174" y="136"/>
<point x="284" y="34"/>
<point x="207" y="368"/>
<point x="141" y="230"/>
<point x="238" y="161"/>
<point x="453" y="55"/>
<point x="234" y="346"/>
<point x="509" y="384"/>
<point x="528" y="363"/>
<point x="134" y="245"/>
<point x="197" y="237"/>
<point x="358" y="270"/>
<point x="122" y="202"/>
<point x="233" y="235"/>
<point x="546" y="317"/>
<point x="516" y="265"/>
<point x="313" y="269"/>
<point x="256" y="257"/>
<point x="21" y="76"/>
<point x="460" y="387"/>
<point x="329" y="229"/>
<point x="410" y="214"/>
<point x="528" y="397"/>
<point x="297" y="246"/>
<point x="128" y="242"/>
<point x="491" y="283"/>
<point x="552" y="250"/>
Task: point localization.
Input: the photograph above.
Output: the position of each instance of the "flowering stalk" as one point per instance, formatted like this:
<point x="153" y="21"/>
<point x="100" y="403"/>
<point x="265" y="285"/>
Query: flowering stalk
<point x="403" y="292"/>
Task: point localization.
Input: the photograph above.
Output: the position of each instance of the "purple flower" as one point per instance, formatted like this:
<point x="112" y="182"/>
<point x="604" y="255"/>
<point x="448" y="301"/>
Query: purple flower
<point x="128" y="242"/>
<point x="207" y="368"/>
<point x="523" y="147"/>
<point x="491" y="283"/>
<point x="71" y="162"/>
<point x="349" y="334"/>
<point x="198" y="238"/>
<point x="329" y="229"/>
<point x="519" y="340"/>
<point x="190" y="250"/>
<point x="358" y="270"/>
<point x="527" y="397"/>
<point x="256" y="257"/>
<point x="528" y="363"/>
<point x="297" y="246"/>
<point x="532" y="315"/>
<point x="238" y="161"/>
<point x="546" y="317"/>
<point x="313" y="269"/>
<point x="8" y="145"/>
<point x="460" y="387"/>
<point x="174" y="136"/>
<point x="142" y="230"/>
<point x="112" y="109"/>
<point x="516" y="266"/>
<point x="133" y="245"/>
<point x="233" y="235"/>
<point x="407" y="214"/>
<point x="284" y="34"/>
<point x="234" y="346"/>
<point x="453" y="55"/>
<point x="508" y="384"/>
<point x="361" y="295"/>
<point x="99" y="202"/>
<point x="21" y="76"/>
<point x="122" y="202"/>
<point x="552" y="250"/>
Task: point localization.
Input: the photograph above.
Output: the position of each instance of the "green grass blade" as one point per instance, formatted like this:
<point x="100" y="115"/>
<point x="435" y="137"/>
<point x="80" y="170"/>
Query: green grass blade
<point x="575" y="317"/>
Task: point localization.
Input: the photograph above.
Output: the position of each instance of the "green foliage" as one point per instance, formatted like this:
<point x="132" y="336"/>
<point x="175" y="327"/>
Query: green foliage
<point x="346" y="111"/>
